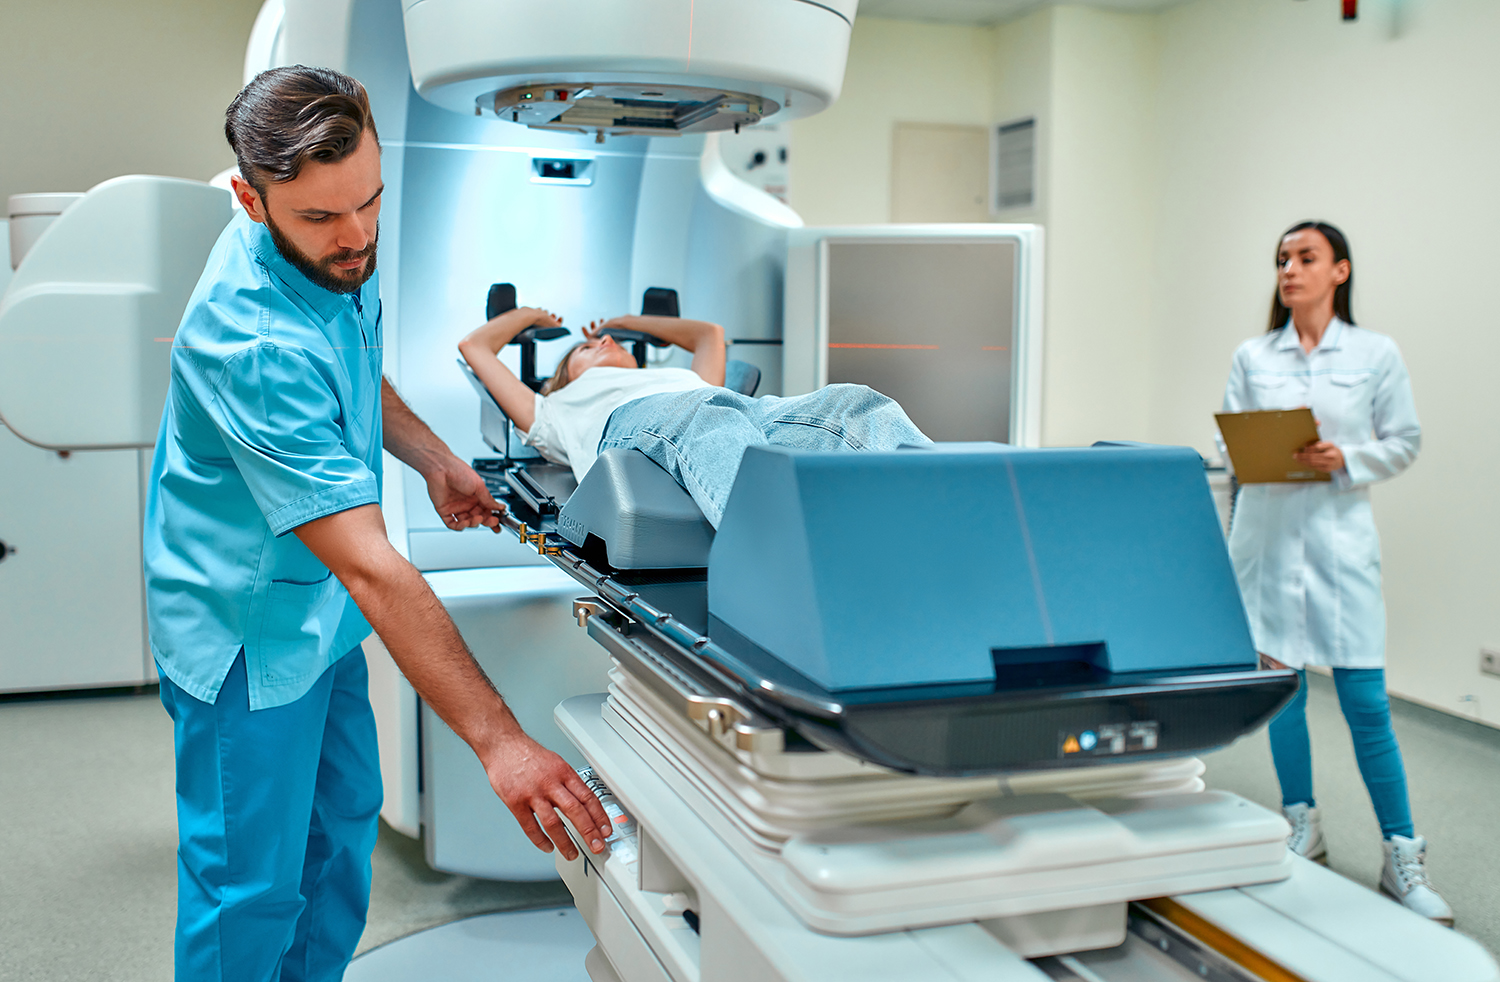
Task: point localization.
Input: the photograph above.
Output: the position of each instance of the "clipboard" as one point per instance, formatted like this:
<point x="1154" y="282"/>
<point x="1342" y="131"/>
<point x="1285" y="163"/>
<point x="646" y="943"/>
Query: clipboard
<point x="1261" y="445"/>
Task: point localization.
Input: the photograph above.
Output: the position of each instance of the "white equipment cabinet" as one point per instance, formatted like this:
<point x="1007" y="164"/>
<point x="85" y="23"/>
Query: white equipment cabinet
<point x="86" y="325"/>
<point x="71" y="598"/>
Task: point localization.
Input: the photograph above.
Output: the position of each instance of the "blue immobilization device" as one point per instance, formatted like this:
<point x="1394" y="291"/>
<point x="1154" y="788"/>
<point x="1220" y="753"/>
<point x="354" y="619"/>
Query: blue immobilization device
<point x="963" y="563"/>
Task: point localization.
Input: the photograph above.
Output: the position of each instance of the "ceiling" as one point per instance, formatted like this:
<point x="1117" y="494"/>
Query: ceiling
<point x="984" y="11"/>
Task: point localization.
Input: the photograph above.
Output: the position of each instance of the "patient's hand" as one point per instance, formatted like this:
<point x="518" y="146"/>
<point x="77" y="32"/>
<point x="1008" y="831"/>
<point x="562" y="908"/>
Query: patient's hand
<point x="501" y="329"/>
<point x="460" y="497"/>
<point x="538" y="317"/>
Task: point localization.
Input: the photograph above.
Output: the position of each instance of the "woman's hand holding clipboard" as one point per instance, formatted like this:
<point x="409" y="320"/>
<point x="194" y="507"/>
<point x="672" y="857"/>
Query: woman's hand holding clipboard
<point x="1277" y="446"/>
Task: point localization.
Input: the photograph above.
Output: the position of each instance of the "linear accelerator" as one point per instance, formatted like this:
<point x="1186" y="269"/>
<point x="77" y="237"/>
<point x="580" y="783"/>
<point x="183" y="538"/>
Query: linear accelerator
<point x="928" y="714"/>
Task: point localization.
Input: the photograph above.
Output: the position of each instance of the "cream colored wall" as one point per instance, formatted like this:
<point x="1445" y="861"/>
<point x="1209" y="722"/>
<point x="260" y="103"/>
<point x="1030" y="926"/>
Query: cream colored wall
<point x="91" y="89"/>
<point x="1098" y="65"/>
<point x="1100" y="167"/>
<point x="839" y="161"/>
<point x="1389" y="127"/>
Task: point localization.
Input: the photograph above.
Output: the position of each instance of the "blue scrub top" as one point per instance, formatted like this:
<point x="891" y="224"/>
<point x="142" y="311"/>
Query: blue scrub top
<point x="272" y="420"/>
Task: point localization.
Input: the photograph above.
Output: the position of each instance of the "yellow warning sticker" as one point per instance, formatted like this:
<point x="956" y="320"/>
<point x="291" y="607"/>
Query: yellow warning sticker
<point x="1070" y="745"/>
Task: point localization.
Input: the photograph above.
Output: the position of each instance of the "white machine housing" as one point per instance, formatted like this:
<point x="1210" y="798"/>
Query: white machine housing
<point x="87" y="321"/>
<point x="679" y="898"/>
<point x="86" y="326"/>
<point x="30" y="216"/>
<point x="656" y="61"/>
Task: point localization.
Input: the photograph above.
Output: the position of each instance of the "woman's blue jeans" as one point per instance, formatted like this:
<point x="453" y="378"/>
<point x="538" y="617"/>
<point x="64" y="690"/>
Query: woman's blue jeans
<point x="1367" y="710"/>
<point x="699" y="436"/>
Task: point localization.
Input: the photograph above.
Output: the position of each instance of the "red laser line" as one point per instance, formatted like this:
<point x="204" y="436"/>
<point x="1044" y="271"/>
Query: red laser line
<point x="897" y="347"/>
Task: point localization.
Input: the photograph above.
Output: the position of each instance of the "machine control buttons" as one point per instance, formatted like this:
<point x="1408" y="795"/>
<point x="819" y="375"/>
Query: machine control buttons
<point x="1111" y="739"/>
<point x="623" y="843"/>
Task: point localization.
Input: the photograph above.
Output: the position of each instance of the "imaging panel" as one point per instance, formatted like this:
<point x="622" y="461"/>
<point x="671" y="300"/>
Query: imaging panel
<point x="929" y="324"/>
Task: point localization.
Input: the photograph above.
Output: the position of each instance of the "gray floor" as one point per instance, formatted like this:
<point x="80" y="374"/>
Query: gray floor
<point x="551" y="943"/>
<point x="88" y="841"/>
<point x="87" y="833"/>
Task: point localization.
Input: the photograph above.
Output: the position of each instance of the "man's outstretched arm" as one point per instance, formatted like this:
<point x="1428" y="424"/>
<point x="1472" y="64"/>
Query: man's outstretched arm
<point x="458" y="493"/>
<point x="534" y="782"/>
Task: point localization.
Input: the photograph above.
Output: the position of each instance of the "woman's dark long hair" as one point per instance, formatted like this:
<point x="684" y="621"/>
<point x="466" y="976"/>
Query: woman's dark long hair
<point x="1342" y="295"/>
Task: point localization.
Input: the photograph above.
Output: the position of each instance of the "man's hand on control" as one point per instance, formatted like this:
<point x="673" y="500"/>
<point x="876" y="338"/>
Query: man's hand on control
<point x="535" y="785"/>
<point x="460" y="497"/>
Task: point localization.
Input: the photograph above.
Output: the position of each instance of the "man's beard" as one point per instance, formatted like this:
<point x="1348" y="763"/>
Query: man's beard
<point x="322" y="271"/>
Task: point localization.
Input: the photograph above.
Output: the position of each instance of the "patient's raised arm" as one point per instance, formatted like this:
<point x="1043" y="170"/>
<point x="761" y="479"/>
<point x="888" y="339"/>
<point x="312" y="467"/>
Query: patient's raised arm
<point x="703" y="338"/>
<point x="481" y="349"/>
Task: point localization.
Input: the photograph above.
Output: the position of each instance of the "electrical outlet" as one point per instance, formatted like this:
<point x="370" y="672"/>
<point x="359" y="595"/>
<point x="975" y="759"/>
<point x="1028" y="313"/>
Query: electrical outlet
<point x="1489" y="661"/>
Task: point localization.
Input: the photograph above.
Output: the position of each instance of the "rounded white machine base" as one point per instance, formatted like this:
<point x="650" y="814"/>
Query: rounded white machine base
<point x="551" y="944"/>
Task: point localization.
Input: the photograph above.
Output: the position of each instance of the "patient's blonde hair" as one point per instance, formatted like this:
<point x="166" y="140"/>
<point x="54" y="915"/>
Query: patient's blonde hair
<point x="564" y="373"/>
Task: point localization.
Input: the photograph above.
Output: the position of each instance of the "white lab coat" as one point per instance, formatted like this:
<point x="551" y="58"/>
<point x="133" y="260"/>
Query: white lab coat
<point x="1307" y="555"/>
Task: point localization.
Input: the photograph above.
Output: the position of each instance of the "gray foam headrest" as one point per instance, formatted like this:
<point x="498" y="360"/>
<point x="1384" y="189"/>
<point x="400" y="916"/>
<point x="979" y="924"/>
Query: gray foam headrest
<point x="644" y="518"/>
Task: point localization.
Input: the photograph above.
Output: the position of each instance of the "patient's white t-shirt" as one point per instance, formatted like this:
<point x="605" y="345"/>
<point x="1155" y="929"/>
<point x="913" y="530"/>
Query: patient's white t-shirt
<point x="570" y="422"/>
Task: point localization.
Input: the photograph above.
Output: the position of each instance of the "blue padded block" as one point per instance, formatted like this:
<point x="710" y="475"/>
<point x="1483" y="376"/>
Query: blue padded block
<point x="913" y="567"/>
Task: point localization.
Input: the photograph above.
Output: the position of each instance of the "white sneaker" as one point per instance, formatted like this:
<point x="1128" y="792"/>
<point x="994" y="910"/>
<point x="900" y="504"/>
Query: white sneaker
<point x="1306" y="839"/>
<point x="1404" y="879"/>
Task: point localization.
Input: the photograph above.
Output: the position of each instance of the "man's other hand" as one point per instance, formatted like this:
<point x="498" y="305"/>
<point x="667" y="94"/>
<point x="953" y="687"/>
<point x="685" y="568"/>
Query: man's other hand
<point x="535" y="785"/>
<point x="460" y="497"/>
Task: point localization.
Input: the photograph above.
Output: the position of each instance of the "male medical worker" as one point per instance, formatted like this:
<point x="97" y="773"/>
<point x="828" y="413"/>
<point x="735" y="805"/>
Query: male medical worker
<point x="267" y="560"/>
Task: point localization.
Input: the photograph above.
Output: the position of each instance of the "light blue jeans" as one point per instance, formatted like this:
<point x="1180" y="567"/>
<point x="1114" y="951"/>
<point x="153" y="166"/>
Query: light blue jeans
<point x="699" y="436"/>
<point x="1367" y="709"/>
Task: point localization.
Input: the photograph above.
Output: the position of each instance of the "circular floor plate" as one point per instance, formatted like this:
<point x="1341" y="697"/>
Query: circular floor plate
<point x="550" y="944"/>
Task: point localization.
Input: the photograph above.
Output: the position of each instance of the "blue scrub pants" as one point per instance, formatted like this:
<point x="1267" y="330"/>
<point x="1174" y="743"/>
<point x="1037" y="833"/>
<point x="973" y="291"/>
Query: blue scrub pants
<point x="1367" y="710"/>
<point x="276" y="820"/>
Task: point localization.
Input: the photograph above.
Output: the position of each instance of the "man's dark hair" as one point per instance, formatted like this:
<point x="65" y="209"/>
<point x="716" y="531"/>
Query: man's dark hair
<point x="288" y="116"/>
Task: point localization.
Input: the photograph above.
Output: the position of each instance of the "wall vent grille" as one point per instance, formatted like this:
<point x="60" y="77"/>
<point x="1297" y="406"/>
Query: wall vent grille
<point x="1015" y="165"/>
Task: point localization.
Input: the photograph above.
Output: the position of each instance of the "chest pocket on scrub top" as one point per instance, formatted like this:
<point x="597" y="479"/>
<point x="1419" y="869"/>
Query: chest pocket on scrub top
<point x="297" y="619"/>
<point x="1269" y="392"/>
<point x="1349" y="396"/>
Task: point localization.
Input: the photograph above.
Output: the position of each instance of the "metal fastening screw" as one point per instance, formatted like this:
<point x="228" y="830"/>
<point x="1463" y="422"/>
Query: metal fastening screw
<point x="586" y="607"/>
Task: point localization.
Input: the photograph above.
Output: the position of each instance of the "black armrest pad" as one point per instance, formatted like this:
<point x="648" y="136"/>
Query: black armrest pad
<point x="621" y="334"/>
<point x="539" y="333"/>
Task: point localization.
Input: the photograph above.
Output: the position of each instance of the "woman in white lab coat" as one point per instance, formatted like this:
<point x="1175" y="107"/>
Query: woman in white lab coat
<point x="1307" y="555"/>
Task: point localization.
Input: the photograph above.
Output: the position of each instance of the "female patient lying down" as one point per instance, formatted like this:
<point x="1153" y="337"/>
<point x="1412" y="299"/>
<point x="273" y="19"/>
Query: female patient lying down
<point x="682" y="418"/>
